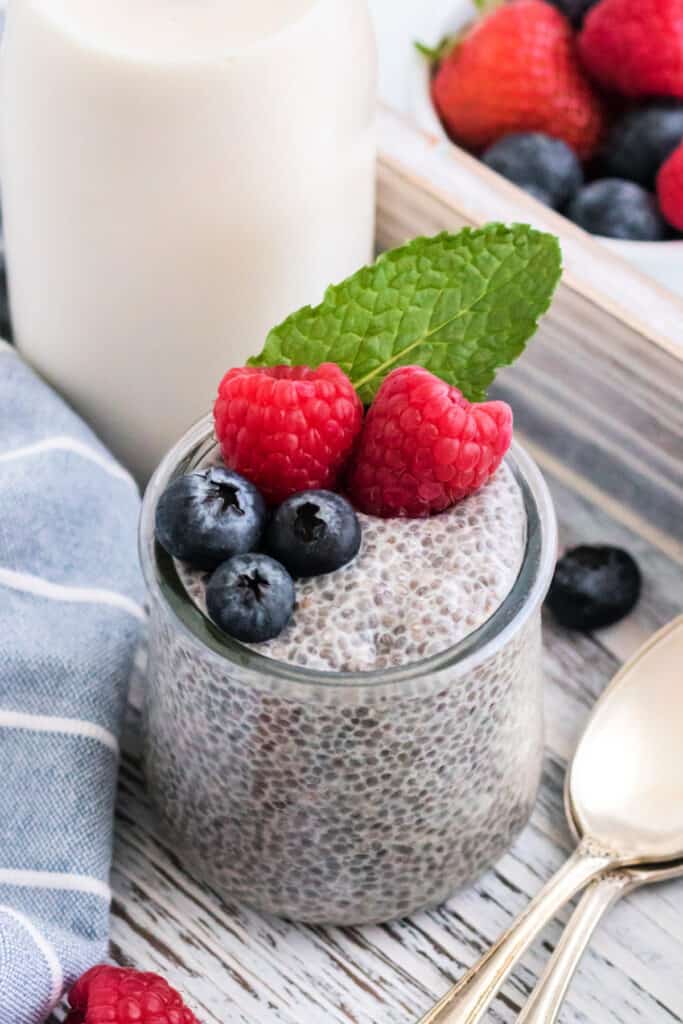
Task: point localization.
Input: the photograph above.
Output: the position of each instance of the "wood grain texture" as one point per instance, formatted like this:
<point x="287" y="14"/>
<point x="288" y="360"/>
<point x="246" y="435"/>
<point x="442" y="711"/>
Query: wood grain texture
<point x="599" y="404"/>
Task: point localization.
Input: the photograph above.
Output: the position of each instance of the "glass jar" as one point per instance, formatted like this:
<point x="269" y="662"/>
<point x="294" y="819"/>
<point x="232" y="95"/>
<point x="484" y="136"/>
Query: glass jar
<point x="343" y="798"/>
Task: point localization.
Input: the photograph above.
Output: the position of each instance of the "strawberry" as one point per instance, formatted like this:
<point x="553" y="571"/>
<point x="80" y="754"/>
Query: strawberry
<point x="635" y="46"/>
<point x="517" y="70"/>
<point x="670" y="188"/>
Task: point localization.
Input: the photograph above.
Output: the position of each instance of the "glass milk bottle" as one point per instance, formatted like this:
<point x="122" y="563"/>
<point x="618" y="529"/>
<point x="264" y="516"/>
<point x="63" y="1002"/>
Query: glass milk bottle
<point x="177" y="176"/>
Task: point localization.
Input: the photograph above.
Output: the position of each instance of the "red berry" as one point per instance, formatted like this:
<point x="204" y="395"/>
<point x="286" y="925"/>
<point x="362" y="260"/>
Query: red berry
<point x="517" y="70"/>
<point x="117" y="995"/>
<point x="287" y="428"/>
<point x="670" y="188"/>
<point x="424" y="446"/>
<point x="635" y="46"/>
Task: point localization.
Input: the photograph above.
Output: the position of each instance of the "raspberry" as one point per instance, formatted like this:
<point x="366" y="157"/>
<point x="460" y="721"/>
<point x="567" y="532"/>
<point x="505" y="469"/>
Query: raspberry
<point x="117" y="995"/>
<point x="670" y="188"/>
<point x="287" y="428"/>
<point x="424" y="446"/>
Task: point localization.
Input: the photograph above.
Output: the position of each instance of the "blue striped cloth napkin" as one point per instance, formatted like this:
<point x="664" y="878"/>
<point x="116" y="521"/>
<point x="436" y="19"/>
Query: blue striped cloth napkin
<point x="70" y="619"/>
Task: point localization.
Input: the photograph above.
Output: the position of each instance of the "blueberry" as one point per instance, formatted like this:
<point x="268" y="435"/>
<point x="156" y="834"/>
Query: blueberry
<point x="594" y="587"/>
<point x="205" y="517"/>
<point x="545" y="167"/>
<point x="575" y="10"/>
<point x="618" y="209"/>
<point x="314" y="532"/>
<point x="641" y="140"/>
<point x="251" y="598"/>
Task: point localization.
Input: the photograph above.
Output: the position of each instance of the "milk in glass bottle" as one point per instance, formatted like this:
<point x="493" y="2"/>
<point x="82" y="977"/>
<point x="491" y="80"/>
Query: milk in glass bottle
<point x="177" y="176"/>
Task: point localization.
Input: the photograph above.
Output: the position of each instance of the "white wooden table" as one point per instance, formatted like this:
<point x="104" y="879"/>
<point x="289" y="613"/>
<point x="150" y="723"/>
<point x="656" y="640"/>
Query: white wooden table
<point x="598" y="400"/>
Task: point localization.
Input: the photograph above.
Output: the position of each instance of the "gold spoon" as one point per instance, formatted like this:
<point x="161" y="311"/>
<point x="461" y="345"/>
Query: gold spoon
<point x="625" y="796"/>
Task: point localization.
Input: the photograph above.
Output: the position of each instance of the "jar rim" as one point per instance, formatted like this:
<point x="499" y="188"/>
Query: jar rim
<point x="523" y="600"/>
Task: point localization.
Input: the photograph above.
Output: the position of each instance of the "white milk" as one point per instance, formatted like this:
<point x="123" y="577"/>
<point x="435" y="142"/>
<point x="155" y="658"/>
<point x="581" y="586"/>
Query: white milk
<point x="177" y="176"/>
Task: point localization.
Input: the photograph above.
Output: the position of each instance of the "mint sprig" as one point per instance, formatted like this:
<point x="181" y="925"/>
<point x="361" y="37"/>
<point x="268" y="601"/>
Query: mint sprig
<point x="459" y="305"/>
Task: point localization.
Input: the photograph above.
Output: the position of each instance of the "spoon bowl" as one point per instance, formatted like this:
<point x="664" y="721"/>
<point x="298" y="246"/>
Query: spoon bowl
<point x="624" y="789"/>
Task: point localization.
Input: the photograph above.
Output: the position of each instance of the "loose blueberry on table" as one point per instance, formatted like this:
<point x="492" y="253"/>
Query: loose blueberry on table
<point x="594" y="587"/>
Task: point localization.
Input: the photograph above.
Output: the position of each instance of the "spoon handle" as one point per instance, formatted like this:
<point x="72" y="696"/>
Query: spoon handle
<point x="543" y="1006"/>
<point x="468" y="1001"/>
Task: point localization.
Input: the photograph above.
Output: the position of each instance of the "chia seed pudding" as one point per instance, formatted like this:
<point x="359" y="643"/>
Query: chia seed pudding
<point x="385" y="748"/>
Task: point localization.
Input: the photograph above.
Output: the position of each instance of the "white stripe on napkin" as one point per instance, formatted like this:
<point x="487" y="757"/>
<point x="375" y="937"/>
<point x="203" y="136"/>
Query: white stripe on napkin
<point x="53" y="964"/>
<point x="70" y="444"/>
<point x="57" y="592"/>
<point x="55" y="880"/>
<point x="51" y="723"/>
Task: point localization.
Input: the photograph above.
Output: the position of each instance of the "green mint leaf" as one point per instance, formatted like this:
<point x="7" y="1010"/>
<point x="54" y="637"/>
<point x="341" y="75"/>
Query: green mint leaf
<point x="459" y="305"/>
